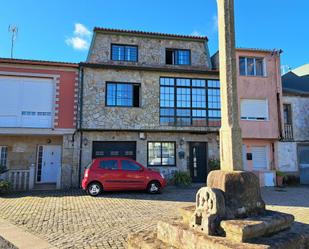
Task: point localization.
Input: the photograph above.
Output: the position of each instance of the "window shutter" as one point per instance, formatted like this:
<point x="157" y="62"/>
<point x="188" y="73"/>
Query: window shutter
<point x="254" y="109"/>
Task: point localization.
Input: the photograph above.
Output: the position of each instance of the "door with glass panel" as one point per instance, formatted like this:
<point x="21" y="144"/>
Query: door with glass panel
<point x="198" y="161"/>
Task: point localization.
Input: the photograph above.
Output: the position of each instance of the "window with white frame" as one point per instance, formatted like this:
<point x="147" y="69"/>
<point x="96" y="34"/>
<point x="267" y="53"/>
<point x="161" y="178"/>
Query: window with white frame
<point x="3" y="155"/>
<point x="250" y="66"/>
<point x="254" y="109"/>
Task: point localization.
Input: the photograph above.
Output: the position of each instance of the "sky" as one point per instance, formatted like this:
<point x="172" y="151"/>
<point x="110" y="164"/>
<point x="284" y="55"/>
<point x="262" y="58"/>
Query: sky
<point x="61" y="30"/>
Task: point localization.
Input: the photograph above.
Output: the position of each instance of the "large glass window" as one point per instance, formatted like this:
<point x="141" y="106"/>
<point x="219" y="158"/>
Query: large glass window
<point x="249" y="66"/>
<point x="189" y="102"/>
<point x="122" y="94"/>
<point x="124" y="52"/>
<point x="178" y="56"/>
<point x="3" y="155"/>
<point x="161" y="154"/>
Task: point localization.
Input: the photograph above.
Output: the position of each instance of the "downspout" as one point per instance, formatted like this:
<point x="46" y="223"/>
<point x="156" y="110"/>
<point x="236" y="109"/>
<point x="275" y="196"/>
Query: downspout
<point x="80" y="101"/>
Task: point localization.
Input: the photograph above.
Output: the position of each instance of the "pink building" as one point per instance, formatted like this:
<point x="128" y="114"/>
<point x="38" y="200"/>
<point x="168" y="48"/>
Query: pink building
<point x="38" y="105"/>
<point x="260" y="101"/>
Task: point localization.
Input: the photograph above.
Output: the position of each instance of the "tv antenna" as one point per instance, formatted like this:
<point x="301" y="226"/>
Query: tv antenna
<point x="13" y="30"/>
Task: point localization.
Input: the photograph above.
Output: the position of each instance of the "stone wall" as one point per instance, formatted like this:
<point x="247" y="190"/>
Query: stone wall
<point x="141" y="145"/>
<point x="300" y="116"/>
<point x="151" y="50"/>
<point x="96" y="115"/>
<point x="287" y="156"/>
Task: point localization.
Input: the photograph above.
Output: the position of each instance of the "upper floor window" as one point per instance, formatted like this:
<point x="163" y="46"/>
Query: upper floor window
<point x="178" y="56"/>
<point x="249" y="66"/>
<point x="122" y="94"/>
<point x="254" y="109"/>
<point x="3" y="155"/>
<point x="287" y="113"/>
<point x="124" y="52"/>
<point x="189" y="102"/>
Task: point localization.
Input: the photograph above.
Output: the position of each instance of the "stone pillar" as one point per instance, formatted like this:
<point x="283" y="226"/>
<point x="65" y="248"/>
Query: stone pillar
<point x="230" y="133"/>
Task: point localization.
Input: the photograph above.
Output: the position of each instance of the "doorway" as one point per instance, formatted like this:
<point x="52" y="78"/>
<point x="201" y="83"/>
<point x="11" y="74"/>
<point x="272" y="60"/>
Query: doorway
<point x="198" y="161"/>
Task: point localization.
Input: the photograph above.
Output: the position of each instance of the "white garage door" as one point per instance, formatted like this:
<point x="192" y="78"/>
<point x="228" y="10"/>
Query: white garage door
<point x="26" y="102"/>
<point x="259" y="157"/>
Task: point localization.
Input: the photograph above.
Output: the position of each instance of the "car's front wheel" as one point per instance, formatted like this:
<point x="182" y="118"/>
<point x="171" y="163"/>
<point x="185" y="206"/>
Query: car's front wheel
<point x="154" y="187"/>
<point x="94" y="189"/>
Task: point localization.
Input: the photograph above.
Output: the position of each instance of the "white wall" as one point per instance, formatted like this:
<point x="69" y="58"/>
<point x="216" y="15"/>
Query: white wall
<point x="287" y="157"/>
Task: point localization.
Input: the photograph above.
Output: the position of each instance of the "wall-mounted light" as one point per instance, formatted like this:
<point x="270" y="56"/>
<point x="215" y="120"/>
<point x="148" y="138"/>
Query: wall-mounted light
<point x="142" y="135"/>
<point x="85" y="141"/>
<point x="49" y="140"/>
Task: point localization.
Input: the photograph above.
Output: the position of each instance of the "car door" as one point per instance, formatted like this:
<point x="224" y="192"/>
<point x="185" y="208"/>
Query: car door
<point x="109" y="173"/>
<point x="132" y="175"/>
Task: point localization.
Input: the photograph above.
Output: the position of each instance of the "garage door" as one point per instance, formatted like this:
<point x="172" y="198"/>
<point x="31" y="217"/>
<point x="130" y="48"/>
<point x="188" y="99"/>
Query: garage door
<point x="26" y="102"/>
<point x="303" y="154"/>
<point x="112" y="149"/>
<point x="259" y="157"/>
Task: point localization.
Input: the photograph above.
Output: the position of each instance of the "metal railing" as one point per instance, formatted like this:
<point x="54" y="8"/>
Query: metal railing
<point x="288" y="132"/>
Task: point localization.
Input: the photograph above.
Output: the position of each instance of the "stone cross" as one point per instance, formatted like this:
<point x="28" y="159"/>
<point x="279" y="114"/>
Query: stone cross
<point x="230" y="132"/>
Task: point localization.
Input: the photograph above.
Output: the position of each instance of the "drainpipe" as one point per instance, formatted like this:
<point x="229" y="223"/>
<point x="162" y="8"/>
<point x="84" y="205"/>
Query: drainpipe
<point x="80" y="104"/>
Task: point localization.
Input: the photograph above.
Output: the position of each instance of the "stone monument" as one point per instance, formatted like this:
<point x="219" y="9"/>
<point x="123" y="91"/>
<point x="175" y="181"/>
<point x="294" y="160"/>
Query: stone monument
<point x="229" y="212"/>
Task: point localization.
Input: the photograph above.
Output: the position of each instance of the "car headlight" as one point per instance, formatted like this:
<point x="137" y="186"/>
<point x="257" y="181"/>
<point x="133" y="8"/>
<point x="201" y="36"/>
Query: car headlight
<point x="162" y="175"/>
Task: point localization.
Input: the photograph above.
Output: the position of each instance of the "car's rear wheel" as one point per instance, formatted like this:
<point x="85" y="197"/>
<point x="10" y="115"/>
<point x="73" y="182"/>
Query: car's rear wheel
<point x="94" y="189"/>
<point x="154" y="187"/>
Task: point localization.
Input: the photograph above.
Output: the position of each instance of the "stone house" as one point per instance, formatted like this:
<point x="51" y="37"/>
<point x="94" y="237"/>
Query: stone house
<point x="38" y="103"/>
<point x="260" y="109"/>
<point x="294" y="146"/>
<point x="152" y="97"/>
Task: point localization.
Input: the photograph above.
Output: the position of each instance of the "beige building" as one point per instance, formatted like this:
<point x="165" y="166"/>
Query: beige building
<point x="152" y="97"/>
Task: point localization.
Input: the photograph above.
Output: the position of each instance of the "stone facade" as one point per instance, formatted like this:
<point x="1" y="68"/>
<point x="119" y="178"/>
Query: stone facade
<point x="141" y="146"/>
<point x="151" y="49"/>
<point x="300" y="126"/>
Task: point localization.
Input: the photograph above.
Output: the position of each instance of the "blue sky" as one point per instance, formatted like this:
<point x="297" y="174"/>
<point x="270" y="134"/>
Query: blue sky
<point x="48" y="30"/>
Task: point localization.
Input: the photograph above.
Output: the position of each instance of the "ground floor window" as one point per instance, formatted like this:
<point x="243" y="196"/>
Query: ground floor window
<point x="161" y="154"/>
<point x="3" y="155"/>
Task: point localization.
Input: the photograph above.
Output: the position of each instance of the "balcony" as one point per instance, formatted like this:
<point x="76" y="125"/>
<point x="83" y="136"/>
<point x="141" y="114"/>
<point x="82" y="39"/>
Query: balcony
<point x="288" y="132"/>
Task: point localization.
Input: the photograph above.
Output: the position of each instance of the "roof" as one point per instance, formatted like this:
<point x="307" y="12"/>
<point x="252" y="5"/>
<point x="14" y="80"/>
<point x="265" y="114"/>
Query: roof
<point x="38" y="62"/>
<point x="296" y="81"/>
<point x="144" y="33"/>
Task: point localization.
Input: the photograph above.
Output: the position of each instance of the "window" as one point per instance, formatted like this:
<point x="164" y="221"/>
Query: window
<point x="109" y="164"/>
<point x="3" y="155"/>
<point x="189" y="102"/>
<point x="251" y="66"/>
<point x="129" y="165"/>
<point x="161" y="153"/>
<point x="178" y="57"/>
<point x="254" y="109"/>
<point x="122" y="94"/>
<point x="287" y="113"/>
<point x="124" y="52"/>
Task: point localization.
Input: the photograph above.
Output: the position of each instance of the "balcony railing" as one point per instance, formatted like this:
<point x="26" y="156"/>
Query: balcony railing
<point x="288" y="132"/>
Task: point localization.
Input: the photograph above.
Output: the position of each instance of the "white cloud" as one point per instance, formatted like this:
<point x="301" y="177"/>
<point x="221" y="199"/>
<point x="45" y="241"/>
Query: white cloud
<point x="77" y="43"/>
<point x="81" y="30"/>
<point x="81" y="37"/>
<point x="197" y="33"/>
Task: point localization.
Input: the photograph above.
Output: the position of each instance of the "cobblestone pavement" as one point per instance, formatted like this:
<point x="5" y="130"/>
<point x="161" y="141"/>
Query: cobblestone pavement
<point x="71" y="219"/>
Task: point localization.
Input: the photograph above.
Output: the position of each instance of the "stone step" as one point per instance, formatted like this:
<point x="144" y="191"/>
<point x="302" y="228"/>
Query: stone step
<point x="241" y="230"/>
<point x="146" y="240"/>
<point x="181" y="236"/>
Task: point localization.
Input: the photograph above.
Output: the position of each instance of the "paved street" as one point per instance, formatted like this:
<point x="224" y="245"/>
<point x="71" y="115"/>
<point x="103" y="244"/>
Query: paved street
<point x="72" y="219"/>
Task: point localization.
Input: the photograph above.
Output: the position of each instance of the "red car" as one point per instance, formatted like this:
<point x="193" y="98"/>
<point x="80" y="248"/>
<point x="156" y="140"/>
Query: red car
<point x="117" y="173"/>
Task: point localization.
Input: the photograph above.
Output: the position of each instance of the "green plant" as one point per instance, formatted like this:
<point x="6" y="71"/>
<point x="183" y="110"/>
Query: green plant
<point x="181" y="178"/>
<point x="213" y="164"/>
<point x="4" y="186"/>
<point x="280" y="173"/>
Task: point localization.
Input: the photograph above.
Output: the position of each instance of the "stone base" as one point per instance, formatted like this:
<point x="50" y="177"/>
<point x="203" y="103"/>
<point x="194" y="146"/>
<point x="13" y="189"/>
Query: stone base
<point x="171" y="235"/>
<point x="241" y="192"/>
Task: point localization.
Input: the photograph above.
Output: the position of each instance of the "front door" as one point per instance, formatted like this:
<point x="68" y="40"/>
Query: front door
<point x="198" y="161"/>
<point x="303" y="154"/>
<point x="49" y="163"/>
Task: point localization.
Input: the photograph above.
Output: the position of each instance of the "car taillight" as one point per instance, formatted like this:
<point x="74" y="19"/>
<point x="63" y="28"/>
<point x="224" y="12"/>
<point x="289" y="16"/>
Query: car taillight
<point x="86" y="173"/>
